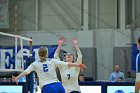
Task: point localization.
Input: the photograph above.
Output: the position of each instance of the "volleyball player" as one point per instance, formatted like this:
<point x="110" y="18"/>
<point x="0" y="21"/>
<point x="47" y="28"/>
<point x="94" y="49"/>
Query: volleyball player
<point x="137" y="81"/>
<point x="69" y="75"/>
<point x="45" y="69"/>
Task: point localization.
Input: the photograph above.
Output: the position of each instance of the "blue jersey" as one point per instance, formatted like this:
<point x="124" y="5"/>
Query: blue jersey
<point x="135" y="52"/>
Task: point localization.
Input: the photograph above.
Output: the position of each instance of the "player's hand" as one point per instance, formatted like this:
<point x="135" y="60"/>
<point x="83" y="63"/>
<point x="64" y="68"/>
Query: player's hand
<point x="74" y="41"/>
<point x="82" y="66"/>
<point x="61" y="40"/>
<point x="15" y="79"/>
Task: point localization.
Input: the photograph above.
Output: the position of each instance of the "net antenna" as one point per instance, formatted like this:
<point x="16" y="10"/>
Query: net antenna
<point x="12" y="52"/>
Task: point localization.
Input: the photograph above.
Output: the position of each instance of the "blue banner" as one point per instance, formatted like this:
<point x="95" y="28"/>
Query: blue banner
<point x="7" y="56"/>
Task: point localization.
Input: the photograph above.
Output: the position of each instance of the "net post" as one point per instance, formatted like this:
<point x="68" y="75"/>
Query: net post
<point x="16" y="67"/>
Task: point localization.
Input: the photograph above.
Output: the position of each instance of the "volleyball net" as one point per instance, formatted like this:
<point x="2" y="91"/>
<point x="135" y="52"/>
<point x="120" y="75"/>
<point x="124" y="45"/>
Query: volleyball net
<point x="14" y="52"/>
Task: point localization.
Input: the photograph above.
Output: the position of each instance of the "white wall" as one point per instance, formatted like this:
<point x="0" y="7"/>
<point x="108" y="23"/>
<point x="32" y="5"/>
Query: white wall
<point x="122" y="37"/>
<point x="59" y="14"/>
<point x="107" y="14"/>
<point x="137" y="16"/>
<point x="104" y="43"/>
<point x="87" y="38"/>
<point x="51" y="38"/>
<point x="63" y="14"/>
<point x="106" y="40"/>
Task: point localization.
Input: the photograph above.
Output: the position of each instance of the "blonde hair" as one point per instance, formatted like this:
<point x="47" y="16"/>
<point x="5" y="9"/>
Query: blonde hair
<point x="43" y="53"/>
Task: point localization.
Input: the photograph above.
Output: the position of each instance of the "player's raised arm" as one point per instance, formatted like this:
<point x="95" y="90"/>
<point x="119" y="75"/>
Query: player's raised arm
<point x="60" y="43"/>
<point x="75" y="44"/>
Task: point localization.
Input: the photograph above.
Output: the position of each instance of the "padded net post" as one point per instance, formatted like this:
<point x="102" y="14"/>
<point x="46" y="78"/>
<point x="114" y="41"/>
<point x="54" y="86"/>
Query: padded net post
<point x="14" y="50"/>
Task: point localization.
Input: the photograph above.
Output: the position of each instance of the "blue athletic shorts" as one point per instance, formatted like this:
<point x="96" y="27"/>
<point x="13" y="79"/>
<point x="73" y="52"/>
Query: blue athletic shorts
<point x="75" y="92"/>
<point x="53" y="88"/>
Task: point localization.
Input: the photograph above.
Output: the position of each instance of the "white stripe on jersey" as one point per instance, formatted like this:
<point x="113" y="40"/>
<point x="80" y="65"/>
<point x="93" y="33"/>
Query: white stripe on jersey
<point x="137" y="60"/>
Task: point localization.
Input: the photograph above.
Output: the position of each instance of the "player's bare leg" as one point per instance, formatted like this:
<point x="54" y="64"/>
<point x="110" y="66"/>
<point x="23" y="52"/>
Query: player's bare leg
<point x="137" y="87"/>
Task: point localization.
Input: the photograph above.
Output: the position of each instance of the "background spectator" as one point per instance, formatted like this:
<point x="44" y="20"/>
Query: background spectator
<point x="117" y="73"/>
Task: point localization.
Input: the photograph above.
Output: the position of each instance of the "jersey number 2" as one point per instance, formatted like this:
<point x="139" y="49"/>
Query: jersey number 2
<point x="45" y="67"/>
